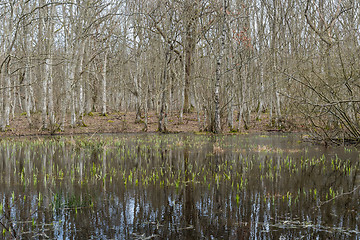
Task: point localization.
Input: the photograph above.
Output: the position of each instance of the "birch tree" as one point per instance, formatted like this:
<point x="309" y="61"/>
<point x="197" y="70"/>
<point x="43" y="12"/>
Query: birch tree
<point x="8" y="41"/>
<point x="219" y="70"/>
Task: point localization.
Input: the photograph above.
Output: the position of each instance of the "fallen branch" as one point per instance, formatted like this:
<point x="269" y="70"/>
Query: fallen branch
<point x="337" y="196"/>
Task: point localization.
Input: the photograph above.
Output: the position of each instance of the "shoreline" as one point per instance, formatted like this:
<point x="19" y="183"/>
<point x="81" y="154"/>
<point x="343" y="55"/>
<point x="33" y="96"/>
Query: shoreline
<point x="119" y="123"/>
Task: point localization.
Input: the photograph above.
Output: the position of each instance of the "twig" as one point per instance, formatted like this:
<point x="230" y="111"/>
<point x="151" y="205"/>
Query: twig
<point x="7" y="229"/>
<point x="337" y="196"/>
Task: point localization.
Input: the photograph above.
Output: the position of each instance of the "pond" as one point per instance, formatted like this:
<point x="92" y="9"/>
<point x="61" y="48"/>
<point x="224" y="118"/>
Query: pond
<point x="181" y="186"/>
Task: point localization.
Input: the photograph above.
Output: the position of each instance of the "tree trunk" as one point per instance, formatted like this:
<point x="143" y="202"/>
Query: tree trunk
<point x="43" y="67"/>
<point x="6" y="96"/>
<point x="103" y="86"/>
<point x="50" y="71"/>
<point x="5" y="72"/>
<point x="72" y="70"/>
<point x="27" y="90"/>
<point x="191" y="13"/>
<point x="182" y="92"/>
<point x="44" y="98"/>
<point x="81" y="83"/>
<point x="163" y="108"/>
<point x="138" y="93"/>
<point x="217" y="122"/>
<point x="275" y="100"/>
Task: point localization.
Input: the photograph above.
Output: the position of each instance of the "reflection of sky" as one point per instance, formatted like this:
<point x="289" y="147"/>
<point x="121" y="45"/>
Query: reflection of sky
<point x="130" y="209"/>
<point x="255" y="214"/>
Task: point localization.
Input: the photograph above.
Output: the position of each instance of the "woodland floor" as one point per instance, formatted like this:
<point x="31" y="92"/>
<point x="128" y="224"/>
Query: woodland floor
<point x="121" y="122"/>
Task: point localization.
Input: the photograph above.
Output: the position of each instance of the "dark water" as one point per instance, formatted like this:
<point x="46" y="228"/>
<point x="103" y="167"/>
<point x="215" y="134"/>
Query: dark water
<point x="178" y="187"/>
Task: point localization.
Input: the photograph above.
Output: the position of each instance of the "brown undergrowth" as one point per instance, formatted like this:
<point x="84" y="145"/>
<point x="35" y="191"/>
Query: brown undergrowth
<point x="121" y="122"/>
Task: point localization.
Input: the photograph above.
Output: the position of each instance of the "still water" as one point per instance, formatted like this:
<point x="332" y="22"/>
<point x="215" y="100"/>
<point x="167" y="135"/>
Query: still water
<point x="144" y="186"/>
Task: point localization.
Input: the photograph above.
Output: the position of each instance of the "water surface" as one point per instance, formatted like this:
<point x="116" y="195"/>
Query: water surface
<point x="148" y="186"/>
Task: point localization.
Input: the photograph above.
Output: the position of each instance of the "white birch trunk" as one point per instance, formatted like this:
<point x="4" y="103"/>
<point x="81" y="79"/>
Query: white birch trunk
<point x="50" y="91"/>
<point x="5" y="72"/>
<point x="14" y="93"/>
<point x="217" y="123"/>
<point x="47" y="93"/>
<point x="43" y="67"/>
<point x="49" y="68"/>
<point x="81" y="83"/>
<point x="103" y="86"/>
<point x="44" y="98"/>
<point x="66" y="89"/>
<point x="6" y="91"/>
<point x="262" y="92"/>
<point x="7" y="96"/>
<point x="27" y="72"/>
<point x="27" y="90"/>
<point x="72" y="70"/>
<point x="87" y="86"/>
<point x="169" y="86"/>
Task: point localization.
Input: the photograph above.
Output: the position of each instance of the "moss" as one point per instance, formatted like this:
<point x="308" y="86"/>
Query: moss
<point x="233" y="130"/>
<point x="201" y="133"/>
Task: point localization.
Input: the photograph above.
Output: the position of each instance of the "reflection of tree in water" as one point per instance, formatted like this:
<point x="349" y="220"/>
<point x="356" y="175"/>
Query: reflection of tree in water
<point x="196" y="209"/>
<point x="190" y="213"/>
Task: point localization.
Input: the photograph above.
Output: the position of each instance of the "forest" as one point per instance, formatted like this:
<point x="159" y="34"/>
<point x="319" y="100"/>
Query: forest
<point x="227" y="61"/>
<point x="244" y="88"/>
